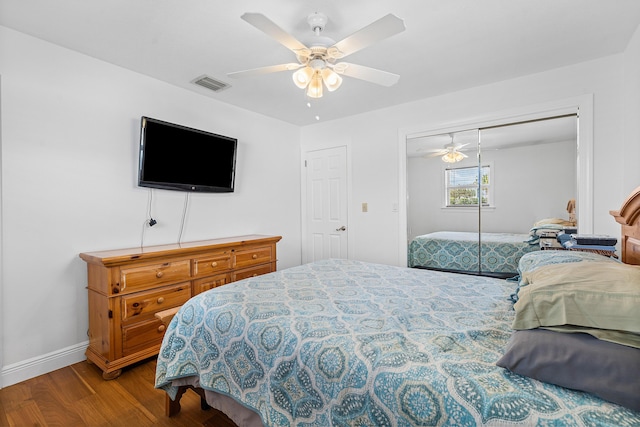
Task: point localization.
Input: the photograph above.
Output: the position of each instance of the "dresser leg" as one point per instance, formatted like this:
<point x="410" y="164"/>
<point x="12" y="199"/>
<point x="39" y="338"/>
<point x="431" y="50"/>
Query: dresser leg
<point x="111" y="375"/>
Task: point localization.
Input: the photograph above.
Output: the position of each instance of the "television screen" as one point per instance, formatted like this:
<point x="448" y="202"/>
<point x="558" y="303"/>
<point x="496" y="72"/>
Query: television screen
<point x="175" y="157"/>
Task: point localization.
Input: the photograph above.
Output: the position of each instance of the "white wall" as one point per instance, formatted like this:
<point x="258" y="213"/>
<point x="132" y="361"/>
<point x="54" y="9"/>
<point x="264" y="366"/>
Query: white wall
<point x="374" y="142"/>
<point x="70" y="130"/>
<point x="629" y="160"/>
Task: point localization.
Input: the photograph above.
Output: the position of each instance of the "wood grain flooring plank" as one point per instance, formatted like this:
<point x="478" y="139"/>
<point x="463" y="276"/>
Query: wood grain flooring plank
<point x="13" y="396"/>
<point x="27" y="414"/>
<point x="78" y="396"/>
<point x="53" y="400"/>
<point x="3" y="415"/>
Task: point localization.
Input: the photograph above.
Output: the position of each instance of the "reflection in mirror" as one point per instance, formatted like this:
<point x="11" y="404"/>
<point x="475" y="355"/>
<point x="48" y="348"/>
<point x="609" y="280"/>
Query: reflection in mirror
<point x="429" y="158"/>
<point x="534" y="173"/>
<point x="527" y="174"/>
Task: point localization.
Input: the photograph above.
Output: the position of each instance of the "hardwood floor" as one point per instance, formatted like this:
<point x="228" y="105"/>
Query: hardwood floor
<point x="77" y="395"/>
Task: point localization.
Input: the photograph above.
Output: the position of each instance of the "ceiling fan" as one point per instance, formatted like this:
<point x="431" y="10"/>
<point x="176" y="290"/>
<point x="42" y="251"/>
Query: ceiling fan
<point x="451" y="152"/>
<point x="318" y="63"/>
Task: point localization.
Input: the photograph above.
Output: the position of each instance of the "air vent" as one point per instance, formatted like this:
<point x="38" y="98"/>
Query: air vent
<point x="211" y="83"/>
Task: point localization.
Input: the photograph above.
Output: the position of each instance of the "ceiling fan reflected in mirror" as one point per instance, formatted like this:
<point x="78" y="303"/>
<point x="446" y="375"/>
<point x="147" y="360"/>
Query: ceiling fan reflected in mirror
<point x="451" y="153"/>
<point x="319" y="63"/>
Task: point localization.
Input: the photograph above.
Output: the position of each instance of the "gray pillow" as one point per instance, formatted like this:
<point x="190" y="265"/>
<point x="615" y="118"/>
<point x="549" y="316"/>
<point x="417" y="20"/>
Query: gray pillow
<point x="577" y="361"/>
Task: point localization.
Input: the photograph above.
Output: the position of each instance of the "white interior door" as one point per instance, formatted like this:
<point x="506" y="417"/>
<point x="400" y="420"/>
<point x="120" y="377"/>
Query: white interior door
<point x="326" y="204"/>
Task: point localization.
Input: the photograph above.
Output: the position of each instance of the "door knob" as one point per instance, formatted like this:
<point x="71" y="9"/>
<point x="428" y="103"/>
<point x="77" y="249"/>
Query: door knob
<point x="343" y="228"/>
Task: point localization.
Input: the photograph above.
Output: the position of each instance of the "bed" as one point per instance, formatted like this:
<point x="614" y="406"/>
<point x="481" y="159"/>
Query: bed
<point x="457" y="251"/>
<point x="344" y="342"/>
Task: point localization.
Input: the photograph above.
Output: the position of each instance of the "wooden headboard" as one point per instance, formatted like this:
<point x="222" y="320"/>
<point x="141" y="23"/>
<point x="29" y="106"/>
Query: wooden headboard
<point x="629" y="217"/>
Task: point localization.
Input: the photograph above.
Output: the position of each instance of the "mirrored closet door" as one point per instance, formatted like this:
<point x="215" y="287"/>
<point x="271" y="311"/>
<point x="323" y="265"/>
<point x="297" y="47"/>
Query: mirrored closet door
<point x="475" y="195"/>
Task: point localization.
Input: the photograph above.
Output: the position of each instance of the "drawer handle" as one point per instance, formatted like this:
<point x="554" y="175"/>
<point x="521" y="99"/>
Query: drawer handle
<point x="159" y="274"/>
<point x="161" y="328"/>
<point x="214" y="264"/>
<point x="255" y="256"/>
<point x="160" y="300"/>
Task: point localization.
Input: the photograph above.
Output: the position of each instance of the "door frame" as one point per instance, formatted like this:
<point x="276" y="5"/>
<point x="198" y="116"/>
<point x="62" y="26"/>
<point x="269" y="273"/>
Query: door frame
<point x="2" y="281"/>
<point x="580" y="105"/>
<point x="303" y="197"/>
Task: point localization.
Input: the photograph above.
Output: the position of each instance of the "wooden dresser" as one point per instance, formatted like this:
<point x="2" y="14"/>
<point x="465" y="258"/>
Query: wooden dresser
<point x="127" y="287"/>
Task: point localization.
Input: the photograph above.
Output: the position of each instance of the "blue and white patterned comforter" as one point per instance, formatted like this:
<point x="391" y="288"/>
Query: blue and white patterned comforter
<point x="458" y="251"/>
<point x="347" y="343"/>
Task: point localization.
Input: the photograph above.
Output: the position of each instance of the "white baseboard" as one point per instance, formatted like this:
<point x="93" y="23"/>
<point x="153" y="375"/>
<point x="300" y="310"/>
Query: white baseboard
<point x="30" y="368"/>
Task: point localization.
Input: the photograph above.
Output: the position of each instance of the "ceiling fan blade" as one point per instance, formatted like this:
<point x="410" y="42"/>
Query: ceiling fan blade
<point x="265" y="70"/>
<point x="361" y="72"/>
<point x="381" y="29"/>
<point x="432" y="150"/>
<point x="436" y="154"/>
<point x="268" y="27"/>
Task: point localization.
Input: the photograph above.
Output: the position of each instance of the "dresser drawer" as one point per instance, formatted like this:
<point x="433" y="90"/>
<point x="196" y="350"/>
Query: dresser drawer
<point x="211" y="264"/>
<point x="207" y="283"/>
<point x="254" y="256"/>
<point x="141" y="336"/>
<point x="145" y="304"/>
<point x="151" y="275"/>
<point x="252" y="272"/>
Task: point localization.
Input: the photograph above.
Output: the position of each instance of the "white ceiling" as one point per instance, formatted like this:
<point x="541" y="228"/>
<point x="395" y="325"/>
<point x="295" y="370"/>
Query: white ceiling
<point x="448" y="45"/>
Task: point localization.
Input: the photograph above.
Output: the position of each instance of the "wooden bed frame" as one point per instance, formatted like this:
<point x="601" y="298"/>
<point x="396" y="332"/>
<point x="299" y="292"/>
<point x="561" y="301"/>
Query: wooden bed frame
<point x="628" y="216"/>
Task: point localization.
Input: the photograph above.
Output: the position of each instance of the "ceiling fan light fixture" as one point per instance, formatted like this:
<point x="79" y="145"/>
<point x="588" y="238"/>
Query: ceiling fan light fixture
<point x="314" y="90"/>
<point x="302" y="77"/>
<point x="331" y="79"/>
<point x="452" y="157"/>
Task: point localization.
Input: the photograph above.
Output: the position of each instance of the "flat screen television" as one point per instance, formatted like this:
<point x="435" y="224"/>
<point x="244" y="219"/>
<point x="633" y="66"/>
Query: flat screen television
<point x="176" y="157"/>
